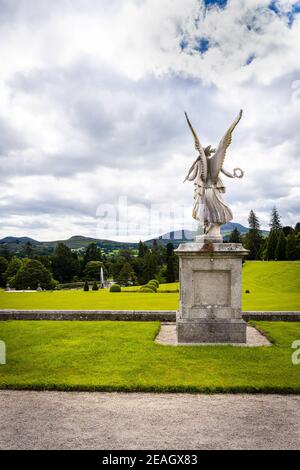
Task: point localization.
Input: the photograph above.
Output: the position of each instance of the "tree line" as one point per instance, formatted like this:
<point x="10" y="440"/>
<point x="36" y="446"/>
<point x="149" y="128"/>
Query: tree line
<point x="135" y="267"/>
<point x="282" y="243"/>
<point x="126" y="267"/>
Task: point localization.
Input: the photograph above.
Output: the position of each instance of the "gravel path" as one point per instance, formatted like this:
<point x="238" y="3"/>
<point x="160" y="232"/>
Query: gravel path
<point x="80" y="420"/>
<point x="167" y="336"/>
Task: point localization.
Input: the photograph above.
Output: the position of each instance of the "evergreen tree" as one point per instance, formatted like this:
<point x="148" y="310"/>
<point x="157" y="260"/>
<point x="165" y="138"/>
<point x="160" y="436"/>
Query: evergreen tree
<point x="127" y="275"/>
<point x="275" y="223"/>
<point x="3" y="268"/>
<point x="65" y="264"/>
<point x="271" y="245"/>
<point x="235" y="236"/>
<point x="150" y="268"/>
<point x="170" y="271"/>
<point x="297" y="227"/>
<point x="92" y="270"/>
<point x="142" y="249"/>
<point x="172" y="264"/>
<point x="13" y="267"/>
<point x="253" y="239"/>
<point x="28" y="250"/>
<point x="155" y="245"/>
<point x="31" y="274"/>
<point x="170" y="250"/>
<point x="158" y="251"/>
<point x="92" y="253"/>
<point x="291" y="247"/>
<point x="4" y="251"/>
<point x="287" y="229"/>
<point x="280" y="252"/>
<point x="86" y="286"/>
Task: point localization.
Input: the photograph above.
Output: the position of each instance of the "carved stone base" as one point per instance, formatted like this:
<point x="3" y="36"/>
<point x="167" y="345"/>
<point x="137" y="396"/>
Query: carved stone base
<point x="211" y="331"/>
<point x="210" y="293"/>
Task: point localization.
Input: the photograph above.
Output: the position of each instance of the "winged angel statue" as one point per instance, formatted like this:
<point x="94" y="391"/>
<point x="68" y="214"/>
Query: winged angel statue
<point x="209" y="207"/>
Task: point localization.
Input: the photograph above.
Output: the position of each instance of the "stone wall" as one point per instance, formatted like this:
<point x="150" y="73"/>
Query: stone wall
<point x="131" y="315"/>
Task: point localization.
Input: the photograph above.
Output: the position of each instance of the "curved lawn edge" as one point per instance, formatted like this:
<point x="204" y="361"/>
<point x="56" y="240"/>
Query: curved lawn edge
<point x="122" y="357"/>
<point x="155" y="389"/>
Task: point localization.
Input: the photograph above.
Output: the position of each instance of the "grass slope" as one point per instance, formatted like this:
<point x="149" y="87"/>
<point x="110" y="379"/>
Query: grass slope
<point x="272" y="285"/>
<point x="123" y="356"/>
<point x="92" y="300"/>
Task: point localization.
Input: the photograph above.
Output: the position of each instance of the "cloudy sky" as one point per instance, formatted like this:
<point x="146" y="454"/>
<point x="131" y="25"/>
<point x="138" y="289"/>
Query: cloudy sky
<point x="92" y="100"/>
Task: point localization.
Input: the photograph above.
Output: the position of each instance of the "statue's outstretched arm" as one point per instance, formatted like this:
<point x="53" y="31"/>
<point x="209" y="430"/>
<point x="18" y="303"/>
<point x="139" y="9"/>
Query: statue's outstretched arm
<point x="217" y="160"/>
<point x="234" y="174"/>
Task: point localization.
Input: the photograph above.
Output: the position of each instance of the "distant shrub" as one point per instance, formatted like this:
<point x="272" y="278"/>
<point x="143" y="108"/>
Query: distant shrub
<point x="115" y="288"/>
<point x="152" y="286"/>
<point x="95" y="286"/>
<point x="70" y="285"/>
<point x="86" y="286"/>
<point x="154" y="282"/>
<point x="247" y="291"/>
<point x="31" y="274"/>
<point x="147" y="289"/>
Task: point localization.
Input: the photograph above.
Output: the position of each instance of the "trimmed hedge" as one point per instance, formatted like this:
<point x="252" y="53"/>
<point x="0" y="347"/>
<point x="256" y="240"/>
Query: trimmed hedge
<point x="70" y="285"/>
<point x="86" y="286"/>
<point x="147" y="289"/>
<point x="115" y="288"/>
<point x="154" y="282"/>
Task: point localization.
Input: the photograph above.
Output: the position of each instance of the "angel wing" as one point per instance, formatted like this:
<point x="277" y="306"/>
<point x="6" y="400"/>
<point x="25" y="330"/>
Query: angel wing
<point x="193" y="171"/>
<point x="200" y="149"/>
<point x="217" y="160"/>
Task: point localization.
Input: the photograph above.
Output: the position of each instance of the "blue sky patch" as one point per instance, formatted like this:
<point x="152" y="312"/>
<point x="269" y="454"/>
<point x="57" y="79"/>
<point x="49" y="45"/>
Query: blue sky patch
<point x="288" y="15"/>
<point x="250" y="59"/>
<point x="202" y="45"/>
<point x="215" y="3"/>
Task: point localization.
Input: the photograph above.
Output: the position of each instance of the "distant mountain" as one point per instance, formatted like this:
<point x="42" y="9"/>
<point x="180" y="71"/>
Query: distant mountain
<point x="77" y="242"/>
<point x="19" y="240"/>
<point x="180" y="236"/>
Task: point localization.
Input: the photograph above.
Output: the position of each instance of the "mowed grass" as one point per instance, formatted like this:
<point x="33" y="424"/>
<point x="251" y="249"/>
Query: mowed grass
<point x="272" y="286"/>
<point x="123" y="356"/>
<point x="92" y="300"/>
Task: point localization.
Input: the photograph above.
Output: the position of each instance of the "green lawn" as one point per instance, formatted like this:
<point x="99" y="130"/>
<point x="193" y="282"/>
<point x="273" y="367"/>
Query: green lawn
<point x="123" y="356"/>
<point x="92" y="300"/>
<point x="272" y="285"/>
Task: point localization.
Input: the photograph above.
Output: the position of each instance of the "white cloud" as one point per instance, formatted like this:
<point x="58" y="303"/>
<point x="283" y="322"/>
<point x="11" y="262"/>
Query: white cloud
<point x="92" y="95"/>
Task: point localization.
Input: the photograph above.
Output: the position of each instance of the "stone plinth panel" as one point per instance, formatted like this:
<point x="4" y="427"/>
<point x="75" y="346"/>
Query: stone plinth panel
<point x="210" y="293"/>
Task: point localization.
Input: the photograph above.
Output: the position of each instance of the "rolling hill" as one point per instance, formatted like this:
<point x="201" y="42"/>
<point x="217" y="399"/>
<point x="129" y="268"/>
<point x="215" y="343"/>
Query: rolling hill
<point x="77" y="242"/>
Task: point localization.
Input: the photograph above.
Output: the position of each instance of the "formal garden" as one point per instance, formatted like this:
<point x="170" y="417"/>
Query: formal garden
<point x="272" y="285"/>
<point x="123" y="355"/>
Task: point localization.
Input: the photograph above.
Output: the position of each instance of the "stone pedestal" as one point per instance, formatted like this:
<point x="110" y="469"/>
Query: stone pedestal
<point x="210" y="293"/>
